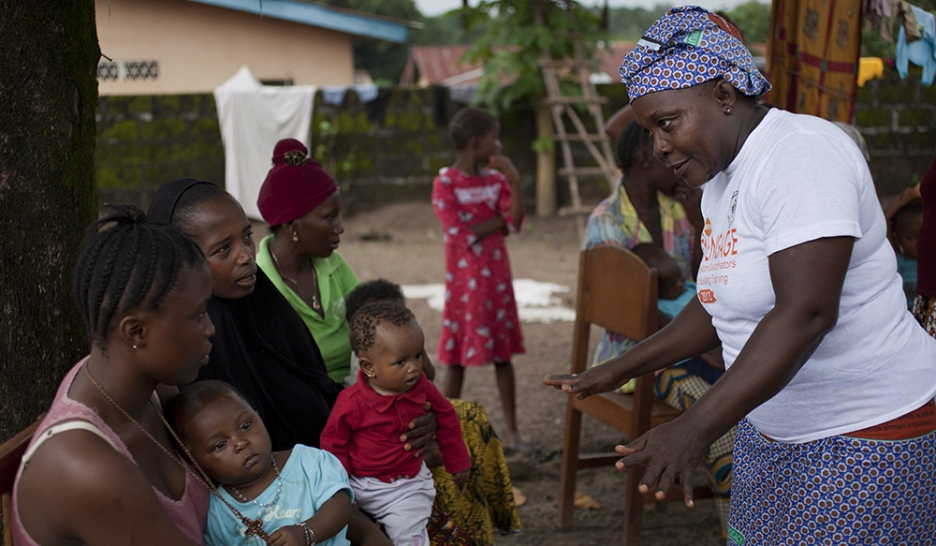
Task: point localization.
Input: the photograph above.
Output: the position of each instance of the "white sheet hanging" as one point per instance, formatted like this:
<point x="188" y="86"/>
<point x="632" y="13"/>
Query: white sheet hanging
<point x="253" y="118"/>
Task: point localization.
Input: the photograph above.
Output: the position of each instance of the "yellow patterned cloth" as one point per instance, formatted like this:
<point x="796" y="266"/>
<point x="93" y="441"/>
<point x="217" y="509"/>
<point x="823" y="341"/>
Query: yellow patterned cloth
<point x="813" y="56"/>
<point x="485" y="502"/>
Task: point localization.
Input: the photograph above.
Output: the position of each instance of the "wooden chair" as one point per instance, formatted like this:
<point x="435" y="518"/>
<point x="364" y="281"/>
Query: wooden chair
<point x="618" y="292"/>
<point x="11" y="452"/>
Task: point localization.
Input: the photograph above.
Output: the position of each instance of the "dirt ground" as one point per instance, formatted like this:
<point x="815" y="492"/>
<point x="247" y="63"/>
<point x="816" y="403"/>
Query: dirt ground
<point x="403" y="243"/>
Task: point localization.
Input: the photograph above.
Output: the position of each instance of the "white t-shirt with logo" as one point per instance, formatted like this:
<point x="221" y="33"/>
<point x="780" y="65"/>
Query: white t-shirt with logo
<point x="800" y="178"/>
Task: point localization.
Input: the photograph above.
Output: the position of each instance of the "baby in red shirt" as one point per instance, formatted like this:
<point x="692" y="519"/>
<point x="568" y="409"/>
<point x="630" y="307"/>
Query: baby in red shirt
<point x="392" y="485"/>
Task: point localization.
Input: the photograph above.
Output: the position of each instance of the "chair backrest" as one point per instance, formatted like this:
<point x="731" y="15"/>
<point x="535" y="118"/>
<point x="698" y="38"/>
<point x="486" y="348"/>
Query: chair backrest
<point x="11" y="452"/>
<point x="617" y="291"/>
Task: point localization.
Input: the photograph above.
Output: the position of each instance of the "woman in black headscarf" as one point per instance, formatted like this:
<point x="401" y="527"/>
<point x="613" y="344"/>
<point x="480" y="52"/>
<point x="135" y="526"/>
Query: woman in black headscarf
<point x="261" y="346"/>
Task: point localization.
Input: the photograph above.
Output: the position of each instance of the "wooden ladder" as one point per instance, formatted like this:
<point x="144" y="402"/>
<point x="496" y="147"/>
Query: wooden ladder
<point x="563" y="108"/>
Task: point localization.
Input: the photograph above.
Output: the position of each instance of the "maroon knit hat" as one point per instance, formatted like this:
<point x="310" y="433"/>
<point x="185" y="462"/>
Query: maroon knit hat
<point x="294" y="186"/>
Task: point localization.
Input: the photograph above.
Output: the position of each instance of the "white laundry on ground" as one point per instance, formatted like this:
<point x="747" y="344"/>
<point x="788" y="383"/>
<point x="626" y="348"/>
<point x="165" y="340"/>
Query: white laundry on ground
<point x="536" y="301"/>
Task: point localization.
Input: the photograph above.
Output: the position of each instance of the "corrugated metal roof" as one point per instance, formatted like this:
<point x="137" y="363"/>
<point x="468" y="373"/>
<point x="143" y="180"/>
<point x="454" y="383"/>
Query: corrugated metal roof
<point x="442" y="64"/>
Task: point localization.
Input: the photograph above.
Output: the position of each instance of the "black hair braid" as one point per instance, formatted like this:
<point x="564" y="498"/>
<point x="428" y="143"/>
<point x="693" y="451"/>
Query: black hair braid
<point x="468" y="123"/>
<point x="101" y="279"/>
<point x="120" y="277"/>
<point x="125" y="263"/>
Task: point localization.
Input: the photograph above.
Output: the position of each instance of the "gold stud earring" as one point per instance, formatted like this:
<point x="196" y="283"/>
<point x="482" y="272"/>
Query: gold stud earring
<point x="728" y="110"/>
<point x="134" y="346"/>
<point x="295" y="237"/>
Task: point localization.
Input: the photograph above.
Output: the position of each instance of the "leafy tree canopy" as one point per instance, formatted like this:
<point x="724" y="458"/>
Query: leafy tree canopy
<point x="384" y="60"/>
<point x="512" y="38"/>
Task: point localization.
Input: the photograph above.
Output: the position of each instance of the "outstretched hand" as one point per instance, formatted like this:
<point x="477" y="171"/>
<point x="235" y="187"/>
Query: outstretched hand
<point x="669" y="451"/>
<point x="592" y="381"/>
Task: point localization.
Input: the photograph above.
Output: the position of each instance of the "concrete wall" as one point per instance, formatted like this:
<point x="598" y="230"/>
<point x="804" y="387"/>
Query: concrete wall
<point x="392" y="148"/>
<point x="198" y="47"/>
<point x="898" y="120"/>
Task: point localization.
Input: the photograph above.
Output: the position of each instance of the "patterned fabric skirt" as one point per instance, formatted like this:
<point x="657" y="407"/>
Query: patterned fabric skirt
<point x="837" y="490"/>
<point x="680" y="389"/>
<point x="924" y="309"/>
<point x="485" y="502"/>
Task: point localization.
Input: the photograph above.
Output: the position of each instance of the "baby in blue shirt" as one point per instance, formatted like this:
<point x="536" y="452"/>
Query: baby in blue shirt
<point x="300" y="496"/>
<point x="905" y="218"/>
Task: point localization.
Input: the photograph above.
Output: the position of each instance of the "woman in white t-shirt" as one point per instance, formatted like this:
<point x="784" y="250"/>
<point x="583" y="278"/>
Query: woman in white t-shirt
<point x="830" y="377"/>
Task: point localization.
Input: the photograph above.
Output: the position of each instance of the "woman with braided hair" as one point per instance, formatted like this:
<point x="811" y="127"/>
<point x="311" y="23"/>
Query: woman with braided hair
<point x="101" y="468"/>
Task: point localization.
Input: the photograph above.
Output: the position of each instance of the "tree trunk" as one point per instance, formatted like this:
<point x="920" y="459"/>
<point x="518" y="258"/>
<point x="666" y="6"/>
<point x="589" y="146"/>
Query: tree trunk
<point x="48" y="97"/>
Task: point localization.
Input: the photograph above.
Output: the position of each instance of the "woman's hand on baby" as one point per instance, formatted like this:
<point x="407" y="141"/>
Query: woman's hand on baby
<point x="433" y="456"/>
<point x="461" y="478"/>
<point x="291" y="535"/>
<point x="591" y="381"/>
<point x="421" y="433"/>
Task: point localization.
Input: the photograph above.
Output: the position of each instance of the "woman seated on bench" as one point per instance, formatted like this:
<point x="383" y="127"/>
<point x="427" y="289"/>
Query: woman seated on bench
<point x="655" y="215"/>
<point x="101" y="468"/>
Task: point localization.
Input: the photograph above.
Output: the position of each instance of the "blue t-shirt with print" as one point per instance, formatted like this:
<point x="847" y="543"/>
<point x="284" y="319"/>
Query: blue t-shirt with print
<point x="310" y="478"/>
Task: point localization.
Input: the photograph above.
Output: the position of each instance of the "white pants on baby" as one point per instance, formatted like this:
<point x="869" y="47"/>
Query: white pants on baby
<point x="402" y="507"/>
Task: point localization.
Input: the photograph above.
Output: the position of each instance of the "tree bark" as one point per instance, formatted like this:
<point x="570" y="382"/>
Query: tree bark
<point x="48" y="97"/>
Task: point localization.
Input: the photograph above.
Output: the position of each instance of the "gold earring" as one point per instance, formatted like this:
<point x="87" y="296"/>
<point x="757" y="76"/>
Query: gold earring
<point x="134" y="346"/>
<point x="295" y="237"/>
<point x="728" y="110"/>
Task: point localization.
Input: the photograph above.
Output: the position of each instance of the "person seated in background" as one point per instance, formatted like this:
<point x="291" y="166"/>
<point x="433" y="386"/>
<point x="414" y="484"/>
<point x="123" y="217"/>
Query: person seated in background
<point x="672" y="282"/>
<point x="652" y="213"/>
<point x="296" y="496"/>
<point x="904" y="218"/>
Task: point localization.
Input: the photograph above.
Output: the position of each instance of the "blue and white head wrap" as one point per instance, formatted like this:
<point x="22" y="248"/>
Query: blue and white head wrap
<point x="686" y="47"/>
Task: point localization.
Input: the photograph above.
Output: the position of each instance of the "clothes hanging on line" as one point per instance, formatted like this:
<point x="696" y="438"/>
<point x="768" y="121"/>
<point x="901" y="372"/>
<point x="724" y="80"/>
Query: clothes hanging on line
<point x="921" y="52"/>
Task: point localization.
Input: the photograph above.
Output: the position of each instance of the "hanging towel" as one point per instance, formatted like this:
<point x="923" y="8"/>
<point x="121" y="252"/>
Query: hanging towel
<point x="921" y="52"/>
<point x="334" y="94"/>
<point x="253" y="118"/>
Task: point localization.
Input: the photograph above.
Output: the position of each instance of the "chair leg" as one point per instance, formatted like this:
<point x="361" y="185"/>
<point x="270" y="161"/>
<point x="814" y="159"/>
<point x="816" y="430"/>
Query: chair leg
<point x="569" y="471"/>
<point x="633" y="507"/>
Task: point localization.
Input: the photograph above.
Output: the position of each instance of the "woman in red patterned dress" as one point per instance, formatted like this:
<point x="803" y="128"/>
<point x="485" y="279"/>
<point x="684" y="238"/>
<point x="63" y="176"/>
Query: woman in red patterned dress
<point x="474" y="200"/>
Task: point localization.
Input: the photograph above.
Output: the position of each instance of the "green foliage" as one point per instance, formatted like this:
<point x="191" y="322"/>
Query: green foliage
<point x="630" y="23"/>
<point x="753" y="19"/>
<point x="512" y="41"/>
<point x="873" y="45"/>
<point x="447" y="28"/>
<point x="384" y="60"/>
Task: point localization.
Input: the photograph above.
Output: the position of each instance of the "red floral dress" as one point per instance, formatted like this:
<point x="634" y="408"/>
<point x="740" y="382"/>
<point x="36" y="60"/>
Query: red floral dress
<point x="479" y="323"/>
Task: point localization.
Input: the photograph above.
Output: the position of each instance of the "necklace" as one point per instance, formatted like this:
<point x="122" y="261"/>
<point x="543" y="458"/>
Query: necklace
<point x="279" y="488"/>
<point x="254" y="526"/>
<point x="316" y="304"/>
